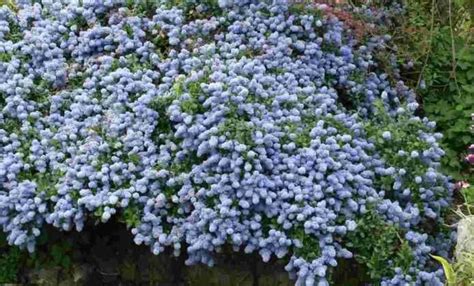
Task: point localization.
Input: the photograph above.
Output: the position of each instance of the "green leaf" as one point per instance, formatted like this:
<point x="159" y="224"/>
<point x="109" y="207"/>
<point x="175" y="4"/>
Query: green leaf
<point x="459" y="2"/>
<point x="448" y="269"/>
<point x="134" y="158"/>
<point x="470" y="74"/>
<point x="469" y="88"/>
<point x="9" y="3"/>
<point x="468" y="194"/>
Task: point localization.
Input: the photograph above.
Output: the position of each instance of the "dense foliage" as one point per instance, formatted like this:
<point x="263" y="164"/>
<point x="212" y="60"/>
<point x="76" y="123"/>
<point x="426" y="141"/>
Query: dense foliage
<point x="202" y="124"/>
<point x="434" y="44"/>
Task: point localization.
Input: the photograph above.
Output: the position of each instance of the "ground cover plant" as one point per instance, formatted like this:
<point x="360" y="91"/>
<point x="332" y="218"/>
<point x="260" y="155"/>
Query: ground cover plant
<point x="267" y="127"/>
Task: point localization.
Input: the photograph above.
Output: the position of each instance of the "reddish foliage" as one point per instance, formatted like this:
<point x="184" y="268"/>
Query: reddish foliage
<point x="359" y="27"/>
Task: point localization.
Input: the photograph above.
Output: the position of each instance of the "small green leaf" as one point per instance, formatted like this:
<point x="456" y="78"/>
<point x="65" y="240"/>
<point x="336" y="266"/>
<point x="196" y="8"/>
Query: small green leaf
<point x="468" y="88"/>
<point x="448" y="269"/>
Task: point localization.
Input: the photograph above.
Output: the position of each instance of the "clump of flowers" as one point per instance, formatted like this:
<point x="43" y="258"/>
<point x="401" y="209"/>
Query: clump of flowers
<point x="209" y="123"/>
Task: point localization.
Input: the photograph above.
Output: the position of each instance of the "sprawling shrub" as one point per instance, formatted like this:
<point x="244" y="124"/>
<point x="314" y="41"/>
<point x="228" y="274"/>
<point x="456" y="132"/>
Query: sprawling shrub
<point x="266" y="127"/>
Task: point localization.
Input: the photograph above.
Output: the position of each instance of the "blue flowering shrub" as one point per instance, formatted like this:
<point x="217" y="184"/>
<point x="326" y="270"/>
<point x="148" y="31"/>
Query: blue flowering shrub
<point x="204" y="124"/>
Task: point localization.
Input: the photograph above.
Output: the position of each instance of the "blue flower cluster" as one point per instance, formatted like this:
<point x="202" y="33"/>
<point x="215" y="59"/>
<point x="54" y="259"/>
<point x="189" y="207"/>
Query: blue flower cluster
<point x="206" y="124"/>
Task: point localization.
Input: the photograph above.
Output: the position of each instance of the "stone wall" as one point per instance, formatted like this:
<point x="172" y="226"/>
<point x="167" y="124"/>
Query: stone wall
<point x="105" y="254"/>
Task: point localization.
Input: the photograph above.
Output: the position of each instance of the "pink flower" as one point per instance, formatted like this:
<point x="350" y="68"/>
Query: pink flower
<point x="470" y="159"/>
<point x="461" y="185"/>
<point x="471" y="148"/>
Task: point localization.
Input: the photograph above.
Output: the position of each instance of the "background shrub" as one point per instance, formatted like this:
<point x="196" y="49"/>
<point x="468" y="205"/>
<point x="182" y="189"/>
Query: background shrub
<point x="435" y="48"/>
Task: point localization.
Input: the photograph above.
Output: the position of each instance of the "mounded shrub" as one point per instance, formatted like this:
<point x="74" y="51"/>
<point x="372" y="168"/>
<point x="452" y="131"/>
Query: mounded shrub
<point x="202" y="124"/>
